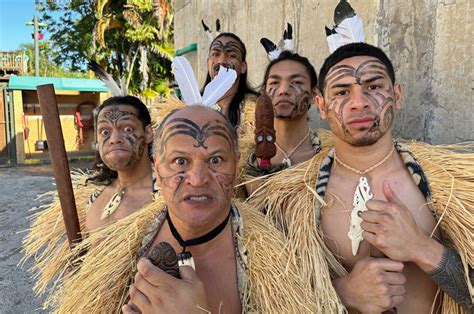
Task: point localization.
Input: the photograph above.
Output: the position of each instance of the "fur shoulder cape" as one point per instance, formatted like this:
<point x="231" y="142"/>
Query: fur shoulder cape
<point x="450" y="173"/>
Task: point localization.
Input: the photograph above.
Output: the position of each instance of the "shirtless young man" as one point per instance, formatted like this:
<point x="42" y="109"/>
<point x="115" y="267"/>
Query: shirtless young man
<point x="397" y="264"/>
<point x="291" y="82"/>
<point x="124" y="170"/>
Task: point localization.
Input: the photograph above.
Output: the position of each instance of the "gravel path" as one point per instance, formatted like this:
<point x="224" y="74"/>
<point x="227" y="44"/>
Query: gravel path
<point x="19" y="187"/>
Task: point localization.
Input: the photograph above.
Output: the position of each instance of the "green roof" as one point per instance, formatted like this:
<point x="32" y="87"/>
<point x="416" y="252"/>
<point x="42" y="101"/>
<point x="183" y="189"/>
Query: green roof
<point x="77" y="84"/>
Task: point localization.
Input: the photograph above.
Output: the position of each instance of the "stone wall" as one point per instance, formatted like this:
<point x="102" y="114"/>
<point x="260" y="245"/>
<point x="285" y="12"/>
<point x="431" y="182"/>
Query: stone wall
<point x="430" y="43"/>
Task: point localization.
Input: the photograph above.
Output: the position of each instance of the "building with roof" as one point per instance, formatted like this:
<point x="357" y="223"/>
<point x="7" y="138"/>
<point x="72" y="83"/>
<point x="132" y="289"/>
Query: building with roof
<point x="22" y="135"/>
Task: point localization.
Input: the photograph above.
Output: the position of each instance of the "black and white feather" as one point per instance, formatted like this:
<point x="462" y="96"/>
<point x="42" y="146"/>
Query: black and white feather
<point x="286" y="44"/>
<point x="117" y="89"/>
<point x="348" y="28"/>
<point x="184" y="76"/>
<point x="209" y="34"/>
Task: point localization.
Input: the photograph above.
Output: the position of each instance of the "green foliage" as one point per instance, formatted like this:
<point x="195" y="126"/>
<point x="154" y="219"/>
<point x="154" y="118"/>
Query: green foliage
<point x="129" y="38"/>
<point x="48" y="67"/>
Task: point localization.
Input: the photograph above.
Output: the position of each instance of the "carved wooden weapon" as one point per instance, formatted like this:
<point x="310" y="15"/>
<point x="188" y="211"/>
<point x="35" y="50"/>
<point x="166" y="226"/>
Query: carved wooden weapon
<point x="57" y="153"/>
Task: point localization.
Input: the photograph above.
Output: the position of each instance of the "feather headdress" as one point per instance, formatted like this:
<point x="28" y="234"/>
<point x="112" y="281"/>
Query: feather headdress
<point x="108" y="80"/>
<point x="208" y="31"/>
<point x="188" y="85"/>
<point x="348" y="27"/>
<point x="286" y="44"/>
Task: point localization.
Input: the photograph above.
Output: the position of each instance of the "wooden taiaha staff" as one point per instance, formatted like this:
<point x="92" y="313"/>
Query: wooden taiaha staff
<point x="57" y="153"/>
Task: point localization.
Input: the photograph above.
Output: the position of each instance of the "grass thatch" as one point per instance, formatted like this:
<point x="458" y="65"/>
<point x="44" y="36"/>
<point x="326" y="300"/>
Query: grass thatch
<point x="46" y="241"/>
<point x="100" y="285"/>
<point x="293" y="206"/>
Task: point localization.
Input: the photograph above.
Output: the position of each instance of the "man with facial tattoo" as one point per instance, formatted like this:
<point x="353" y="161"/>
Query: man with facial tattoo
<point x="240" y="260"/>
<point x="238" y="104"/>
<point x="119" y="184"/>
<point x="291" y="82"/>
<point x="124" y="137"/>
<point x="378" y="215"/>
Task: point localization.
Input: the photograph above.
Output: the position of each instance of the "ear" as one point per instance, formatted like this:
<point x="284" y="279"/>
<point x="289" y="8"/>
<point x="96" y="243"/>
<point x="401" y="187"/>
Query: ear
<point x="320" y="103"/>
<point x="398" y="96"/>
<point x="244" y="68"/>
<point x="148" y="134"/>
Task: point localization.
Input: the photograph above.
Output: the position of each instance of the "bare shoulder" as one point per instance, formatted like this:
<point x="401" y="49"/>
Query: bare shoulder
<point x="93" y="220"/>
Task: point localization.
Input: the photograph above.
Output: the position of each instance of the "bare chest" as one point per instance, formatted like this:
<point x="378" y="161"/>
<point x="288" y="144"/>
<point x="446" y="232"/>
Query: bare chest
<point x="130" y="202"/>
<point x="336" y="217"/>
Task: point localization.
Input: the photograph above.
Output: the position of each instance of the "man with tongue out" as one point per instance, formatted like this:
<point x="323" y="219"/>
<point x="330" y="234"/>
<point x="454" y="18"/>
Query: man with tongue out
<point x="228" y="50"/>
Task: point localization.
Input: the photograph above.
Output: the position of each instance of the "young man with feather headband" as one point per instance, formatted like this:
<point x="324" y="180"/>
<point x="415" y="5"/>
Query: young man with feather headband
<point x="196" y="155"/>
<point x="378" y="224"/>
<point x="120" y="183"/>
<point x="228" y="50"/>
<point x="290" y="81"/>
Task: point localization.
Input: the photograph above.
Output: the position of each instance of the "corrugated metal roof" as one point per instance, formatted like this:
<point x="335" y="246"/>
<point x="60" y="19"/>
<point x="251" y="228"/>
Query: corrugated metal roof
<point x="77" y="84"/>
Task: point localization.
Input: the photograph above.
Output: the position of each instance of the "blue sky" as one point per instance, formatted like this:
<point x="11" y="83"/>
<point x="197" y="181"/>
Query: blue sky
<point x="13" y="16"/>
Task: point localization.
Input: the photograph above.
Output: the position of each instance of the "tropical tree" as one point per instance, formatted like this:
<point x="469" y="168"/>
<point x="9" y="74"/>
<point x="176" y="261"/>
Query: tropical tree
<point x="47" y="67"/>
<point x="129" y="38"/>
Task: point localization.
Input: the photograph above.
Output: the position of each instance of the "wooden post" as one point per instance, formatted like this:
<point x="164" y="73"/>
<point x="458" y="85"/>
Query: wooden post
<point x="57" y="153"/>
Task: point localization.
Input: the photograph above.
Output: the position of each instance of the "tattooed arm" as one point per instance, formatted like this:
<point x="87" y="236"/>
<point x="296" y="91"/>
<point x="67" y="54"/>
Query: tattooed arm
<point x="449" y="276"/>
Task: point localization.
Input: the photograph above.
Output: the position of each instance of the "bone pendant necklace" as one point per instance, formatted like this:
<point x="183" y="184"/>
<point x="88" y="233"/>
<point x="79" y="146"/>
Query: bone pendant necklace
<point x="361" y="195"/>
<point x="115" y="200"/>
<point x="286" y="160"/>
<point x="113" y="204"/>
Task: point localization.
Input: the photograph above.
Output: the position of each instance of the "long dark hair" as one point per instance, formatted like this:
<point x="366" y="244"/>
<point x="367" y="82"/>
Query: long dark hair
<point x="102" y="174"/>
<point x="243" y="88"/>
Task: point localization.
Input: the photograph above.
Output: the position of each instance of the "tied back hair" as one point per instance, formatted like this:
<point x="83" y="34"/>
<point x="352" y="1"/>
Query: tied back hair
<point x="102" y="174"/>
<point x="243" y="88"/>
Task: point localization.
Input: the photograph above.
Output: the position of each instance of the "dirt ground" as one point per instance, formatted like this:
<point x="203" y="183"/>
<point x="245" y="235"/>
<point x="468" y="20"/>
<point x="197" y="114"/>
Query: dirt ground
<point x="19" y="187"/>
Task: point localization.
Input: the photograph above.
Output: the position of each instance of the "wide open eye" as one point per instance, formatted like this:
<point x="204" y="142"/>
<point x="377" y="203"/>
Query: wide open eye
<point x="104" y="132"/>
<point x="128" y="129"/>
<point x="260" y="138"/>
<point x="180" y="161"/>
<point x="215" y="160"/>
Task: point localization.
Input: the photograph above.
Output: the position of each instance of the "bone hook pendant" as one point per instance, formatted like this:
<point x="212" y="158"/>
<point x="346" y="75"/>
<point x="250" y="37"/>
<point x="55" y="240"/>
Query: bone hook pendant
<point x="113" y="204"/>
<point x="361" y="195"/>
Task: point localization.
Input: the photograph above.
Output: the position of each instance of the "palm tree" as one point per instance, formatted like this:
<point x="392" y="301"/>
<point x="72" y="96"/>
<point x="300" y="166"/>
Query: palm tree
<point x="132" y="32"/>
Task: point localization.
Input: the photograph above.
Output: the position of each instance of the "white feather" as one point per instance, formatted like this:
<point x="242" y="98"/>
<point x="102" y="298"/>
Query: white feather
<point x="218" y="86"/>
<point x="184" y="76"/>
<point x="351" y="30"/>
<point x="274" y="54"/>
<point x="209" y="36"/>
<point x="333" y="41"/>
<point x="288" y="45"/>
